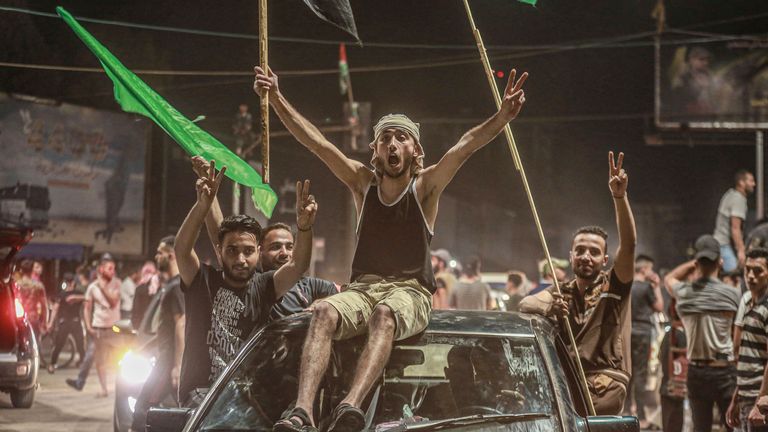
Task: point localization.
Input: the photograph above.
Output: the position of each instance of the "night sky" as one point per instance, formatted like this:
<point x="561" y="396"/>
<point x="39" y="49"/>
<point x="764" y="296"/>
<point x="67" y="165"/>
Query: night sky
<point x="580" y="102"/>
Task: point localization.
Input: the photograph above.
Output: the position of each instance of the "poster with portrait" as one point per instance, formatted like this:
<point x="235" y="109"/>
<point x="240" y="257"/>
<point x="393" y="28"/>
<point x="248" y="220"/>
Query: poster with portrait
<point x="75" y="174"/>
<point x="704" y="84"/>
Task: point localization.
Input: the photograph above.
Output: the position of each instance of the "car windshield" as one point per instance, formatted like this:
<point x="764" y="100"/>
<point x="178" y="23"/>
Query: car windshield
<point x="436" y="377"/>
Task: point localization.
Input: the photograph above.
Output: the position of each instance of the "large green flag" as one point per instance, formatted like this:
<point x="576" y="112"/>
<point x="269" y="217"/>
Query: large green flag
<point x="135" y="96"/>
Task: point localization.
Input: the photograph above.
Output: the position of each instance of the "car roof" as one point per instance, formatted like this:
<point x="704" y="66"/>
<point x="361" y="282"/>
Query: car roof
<point x="485" y="323"/>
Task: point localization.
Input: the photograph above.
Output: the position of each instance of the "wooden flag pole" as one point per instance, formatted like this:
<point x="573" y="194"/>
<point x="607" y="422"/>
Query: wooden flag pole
<point x="526" y="186"/>
<point x="263" y="51"/>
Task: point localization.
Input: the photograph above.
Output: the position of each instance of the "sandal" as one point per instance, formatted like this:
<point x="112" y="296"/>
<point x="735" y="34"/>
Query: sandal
<point x="287" y="423"/>
<point x="347" y="418"/>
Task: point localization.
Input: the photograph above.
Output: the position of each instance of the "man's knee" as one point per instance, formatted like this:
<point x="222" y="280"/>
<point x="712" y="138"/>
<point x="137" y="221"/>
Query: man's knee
<point x="325" y="316"/>
<point x="383" y="319"/>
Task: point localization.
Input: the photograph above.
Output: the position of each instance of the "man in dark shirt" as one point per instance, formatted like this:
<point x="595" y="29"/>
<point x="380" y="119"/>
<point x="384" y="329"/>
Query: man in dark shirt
<point x="224" y="306"/>
<point x="597" y="302"/>
<point x="168" y="341"/>
<point x="646" y="299"/>
<point x="65" y="318"/>
<point x="275" y="251"/>
<point x="389" y="297"/>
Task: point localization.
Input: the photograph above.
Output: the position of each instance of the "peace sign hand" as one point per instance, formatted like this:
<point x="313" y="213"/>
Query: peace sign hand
<point x="514" y="97"/>
<point x="306" y="207"/>
<point x="208" y="184"/>
<point x="617" y="177"/>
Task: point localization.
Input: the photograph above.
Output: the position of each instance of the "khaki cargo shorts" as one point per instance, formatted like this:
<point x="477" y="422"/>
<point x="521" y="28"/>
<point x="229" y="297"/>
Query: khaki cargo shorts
<point x="410" y="303"/>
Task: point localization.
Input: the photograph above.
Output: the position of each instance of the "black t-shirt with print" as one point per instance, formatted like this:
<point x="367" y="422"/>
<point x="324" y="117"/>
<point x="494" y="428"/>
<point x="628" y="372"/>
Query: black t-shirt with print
<point x="301" y="295"/>
<point x="219" y="319"/>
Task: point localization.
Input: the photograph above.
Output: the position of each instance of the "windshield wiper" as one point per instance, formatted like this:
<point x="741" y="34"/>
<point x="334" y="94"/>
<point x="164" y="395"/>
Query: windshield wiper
<point x="467" y="420"/>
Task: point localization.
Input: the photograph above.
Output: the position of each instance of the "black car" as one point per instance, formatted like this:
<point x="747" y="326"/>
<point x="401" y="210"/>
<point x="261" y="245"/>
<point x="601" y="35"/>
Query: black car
<point x="19" y="356"/>
<point x="468" y="370"/>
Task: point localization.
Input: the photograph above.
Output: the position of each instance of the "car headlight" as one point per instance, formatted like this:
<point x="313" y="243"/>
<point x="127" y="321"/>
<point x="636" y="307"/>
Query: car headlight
<point x="135" y="368"/>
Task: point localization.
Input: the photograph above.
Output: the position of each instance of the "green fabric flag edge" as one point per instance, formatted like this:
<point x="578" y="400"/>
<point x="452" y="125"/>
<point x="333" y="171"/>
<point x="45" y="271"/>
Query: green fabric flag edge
<point x="135" y="96"/>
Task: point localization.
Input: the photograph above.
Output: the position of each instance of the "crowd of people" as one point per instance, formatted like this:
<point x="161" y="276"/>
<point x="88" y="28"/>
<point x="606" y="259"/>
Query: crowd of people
<point x="713" y="336"/>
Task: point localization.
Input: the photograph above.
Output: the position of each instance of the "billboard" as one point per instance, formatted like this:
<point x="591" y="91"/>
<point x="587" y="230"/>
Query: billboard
<point x="705" y="84"/>
<point x="75" y="173"/>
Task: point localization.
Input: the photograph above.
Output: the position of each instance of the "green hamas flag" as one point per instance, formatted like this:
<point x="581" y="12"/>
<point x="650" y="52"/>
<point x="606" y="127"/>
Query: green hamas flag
<point x="135" y="96"/>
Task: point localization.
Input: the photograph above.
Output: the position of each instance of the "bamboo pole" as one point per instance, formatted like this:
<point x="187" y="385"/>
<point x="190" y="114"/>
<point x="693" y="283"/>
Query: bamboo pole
<point x="263" y="56"/>
<point x="526" y="186"/>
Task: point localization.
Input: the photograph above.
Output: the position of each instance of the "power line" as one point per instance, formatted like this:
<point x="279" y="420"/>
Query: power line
<point x="727" y="20"/>
<point x="336" y="42"/>
<point x="621" y="41"/>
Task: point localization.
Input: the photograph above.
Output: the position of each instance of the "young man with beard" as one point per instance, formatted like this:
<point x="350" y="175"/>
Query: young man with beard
<point x="224" y="306"/>
<point x="597" y="302"/>
<point x="706" y="306"/>
<point x="729" y="224"/>
<point x="168" y="342"/>
<point x="389" y="297"/>
<point x="275" y="250"/>
<point x="101" y="311"/>
<point x="753" y="351"/>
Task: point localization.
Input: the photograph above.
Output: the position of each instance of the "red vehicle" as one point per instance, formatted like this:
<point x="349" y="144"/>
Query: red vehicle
<point x="19" y="355"/>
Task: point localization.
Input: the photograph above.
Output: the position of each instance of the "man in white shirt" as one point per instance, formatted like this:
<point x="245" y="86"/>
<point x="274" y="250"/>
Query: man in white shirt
<point x="101" y="311"/>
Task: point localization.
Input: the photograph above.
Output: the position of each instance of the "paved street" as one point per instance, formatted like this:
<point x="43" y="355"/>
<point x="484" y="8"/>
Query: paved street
<point x="60" y="408"/>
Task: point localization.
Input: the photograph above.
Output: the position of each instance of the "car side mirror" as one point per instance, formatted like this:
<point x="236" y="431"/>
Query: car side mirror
<point x="167" y="419"/>
<point x="613" y="424"/>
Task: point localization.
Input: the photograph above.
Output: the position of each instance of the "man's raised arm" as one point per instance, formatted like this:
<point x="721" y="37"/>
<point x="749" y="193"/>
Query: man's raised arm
<point x="624" y="266"/>
<point x="306" y="210"/>
<point x="437" y="177"/>
<point x="207" y="186"/>
<point x="678" y="275"/>
<point x="351" y="172"/>
<point x="214" y="217"/>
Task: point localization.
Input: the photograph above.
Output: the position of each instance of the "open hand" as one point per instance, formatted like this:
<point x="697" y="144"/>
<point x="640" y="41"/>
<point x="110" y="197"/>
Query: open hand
<point x="514" y="96"/>
<point x="617" y="177"/>
<point x="264" y="82"/>
<point x="306" y="206"/>
<point x="208" y="184"/>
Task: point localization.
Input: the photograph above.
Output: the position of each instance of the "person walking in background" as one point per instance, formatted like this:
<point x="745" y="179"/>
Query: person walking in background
<point x="547" y="277"/>
<point x="470" y="292"/>
<point x="146" y="288"/>
<point x="753" y="347"/>
<point x="646" y="299"/>
<point x="516" y="288"/>
<point x="101" y="311"/>
<point x="444" y="278"/>
<point x="128" y="291"/>
<point x="707" y="307"/>
<point x="729" y="224"/>
<point x="32" y="296"/>
<point x="65" y="319"/>
<point x="674" y="365"/>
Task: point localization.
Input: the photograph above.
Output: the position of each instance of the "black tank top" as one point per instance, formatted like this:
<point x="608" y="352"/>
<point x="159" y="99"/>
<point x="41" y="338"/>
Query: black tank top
<point x="393" y="240"/>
